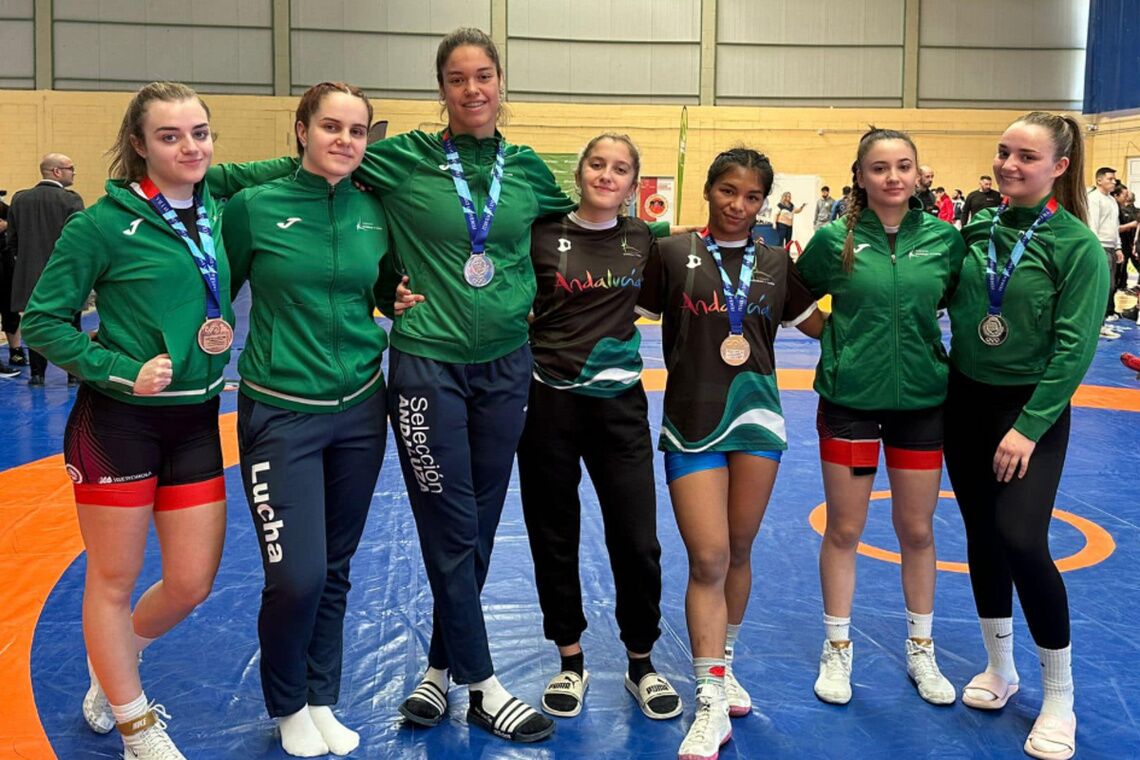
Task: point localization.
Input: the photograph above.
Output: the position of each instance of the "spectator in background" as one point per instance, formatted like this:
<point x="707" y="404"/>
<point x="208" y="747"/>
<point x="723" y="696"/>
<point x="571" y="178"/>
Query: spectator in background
<point x="959" y="204"/>
<point x="923" y="191"/>
<point x="823" y="207"/>
<point x="984" y="197"/>
<point x="840" y="206"/>
<point x="785" y="216"/>
<point x="944" y="205"/>
<point x="35" y="221"/>
<point x="1126" y="201"/>
<point x="1104" y="220"/>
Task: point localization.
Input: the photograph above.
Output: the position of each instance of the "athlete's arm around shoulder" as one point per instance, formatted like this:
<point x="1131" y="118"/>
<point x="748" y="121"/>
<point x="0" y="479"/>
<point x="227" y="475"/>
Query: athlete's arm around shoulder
<point x="547" y="193"/>
<point x="819" y="263"/>
<point x="238" y="239"/>
<point x="81" y="257"/>
<point x="227" y="180"/>
<point x="391" y="162"/>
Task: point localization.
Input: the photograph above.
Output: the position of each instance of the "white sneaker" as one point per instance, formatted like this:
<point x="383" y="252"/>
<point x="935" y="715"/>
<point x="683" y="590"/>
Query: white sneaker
<point x="1108" y="333"/>
<point x="739" y="701"/>
<point x="148" y="739"/>
<point x="923" y="670"/>
<point x="1112" y="318"/>
<point x="834" y="682"/>
<point x="710" y="730"/>
<point x="97" y="710"/>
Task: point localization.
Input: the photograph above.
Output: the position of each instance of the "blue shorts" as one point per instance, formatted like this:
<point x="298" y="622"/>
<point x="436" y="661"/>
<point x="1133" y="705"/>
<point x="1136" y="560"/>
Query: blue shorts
<point x="679" y="463"/>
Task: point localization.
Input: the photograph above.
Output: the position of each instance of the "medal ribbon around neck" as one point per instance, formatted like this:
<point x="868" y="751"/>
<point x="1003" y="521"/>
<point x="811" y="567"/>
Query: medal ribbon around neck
<point x="735" y="301"/>
<point x="996" y="284"/>
<point x="478" y="227"/>
<point x="205" y="257"/>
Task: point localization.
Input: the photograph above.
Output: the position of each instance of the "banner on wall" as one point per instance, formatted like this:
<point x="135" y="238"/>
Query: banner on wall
<point x="656" y="199"/>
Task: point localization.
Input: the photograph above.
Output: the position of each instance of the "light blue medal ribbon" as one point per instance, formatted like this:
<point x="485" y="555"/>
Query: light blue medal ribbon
<point x="993" y="329"/>
<point x="735" y="349"/>
<point x="479" y="268"/>
<point x="215" y="335"/>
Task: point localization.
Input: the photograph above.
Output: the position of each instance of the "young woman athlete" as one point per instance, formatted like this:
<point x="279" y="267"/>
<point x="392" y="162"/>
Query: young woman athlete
<point x="142" y="440"/>
<point x="311" y="412"/>
<point x="1025" y="318"/>
<point x="722" y="298"/>
<point x="887" y="266"/>
<point x="587" y="405"/>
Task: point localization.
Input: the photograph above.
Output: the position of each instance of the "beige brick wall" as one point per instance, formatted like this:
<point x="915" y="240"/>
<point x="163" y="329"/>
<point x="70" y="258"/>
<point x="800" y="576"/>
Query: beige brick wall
<point x="959" y="144"/>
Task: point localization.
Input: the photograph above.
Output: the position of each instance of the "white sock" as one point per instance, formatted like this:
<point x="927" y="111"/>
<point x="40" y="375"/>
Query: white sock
<point x="836" y="628"/>
<point x="494" y="695"/>
<point x="919" y="626"/>
<point x="132" y="710"/>
<point x="340" y="738"/>
<point x="997" y="634"/>
<point x="437" y="676"/>
<point x="299" y="735"/>
<point x="708" y="672"/>
<point x="1057" y="681"/>
<point x="731" y="633"/>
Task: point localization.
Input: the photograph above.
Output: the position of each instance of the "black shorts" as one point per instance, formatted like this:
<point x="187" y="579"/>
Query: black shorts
<point x="126" y="455"/>
<point x="912" y="439"/>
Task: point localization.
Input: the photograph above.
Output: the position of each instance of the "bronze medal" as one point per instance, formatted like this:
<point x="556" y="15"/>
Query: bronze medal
<point x="215" y="336"/>
<point x="734" y="350"/>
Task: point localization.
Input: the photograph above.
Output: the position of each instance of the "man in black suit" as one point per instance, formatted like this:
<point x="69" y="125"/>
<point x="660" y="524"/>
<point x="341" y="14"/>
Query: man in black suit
<point x="35" y="221"/>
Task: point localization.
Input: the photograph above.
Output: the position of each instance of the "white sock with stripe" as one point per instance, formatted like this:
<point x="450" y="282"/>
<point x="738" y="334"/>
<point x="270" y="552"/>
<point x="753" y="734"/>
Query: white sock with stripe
<point x="132" y="710"/>
<point x="836" y="628"/>
<point x="732" y="632"/>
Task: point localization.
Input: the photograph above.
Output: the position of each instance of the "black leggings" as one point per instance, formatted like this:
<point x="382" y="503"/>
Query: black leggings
<point x="1007" y="524"/>
<point x="611" y="436"/>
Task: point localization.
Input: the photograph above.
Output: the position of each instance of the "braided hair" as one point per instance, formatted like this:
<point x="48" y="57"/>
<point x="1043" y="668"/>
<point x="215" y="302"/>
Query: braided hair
<point x="856" y="200"/>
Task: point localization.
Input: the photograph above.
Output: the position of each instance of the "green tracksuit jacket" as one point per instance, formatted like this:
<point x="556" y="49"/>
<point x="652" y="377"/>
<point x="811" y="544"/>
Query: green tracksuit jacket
<point x="152" y="300"/>
<point x="882" y="347"/>
<point x="456" y="323"/>
<point x="1054" y="305"/>
<point x="311" y="253"/>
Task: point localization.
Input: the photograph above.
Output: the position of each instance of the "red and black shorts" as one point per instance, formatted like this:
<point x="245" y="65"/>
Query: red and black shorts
<point x="127" y="455"/>
<point x="912" y="439"/>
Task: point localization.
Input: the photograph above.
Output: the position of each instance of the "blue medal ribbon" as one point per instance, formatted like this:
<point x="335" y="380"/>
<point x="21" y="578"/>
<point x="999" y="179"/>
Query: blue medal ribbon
<point x="996" y="284"/>
<point x="478" y="227"/>
<point x="205" y="257"/>
<point x="736" y="300"/>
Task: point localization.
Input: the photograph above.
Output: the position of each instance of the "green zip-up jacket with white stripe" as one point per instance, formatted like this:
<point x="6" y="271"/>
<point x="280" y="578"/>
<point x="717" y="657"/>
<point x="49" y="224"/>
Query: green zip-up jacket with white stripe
<point x="882" y="347"/>
<point x="1054" y="305"/>
<point x="456" y="323"/>
<point x="152" y="300"/>
<point x="311" y="252"/>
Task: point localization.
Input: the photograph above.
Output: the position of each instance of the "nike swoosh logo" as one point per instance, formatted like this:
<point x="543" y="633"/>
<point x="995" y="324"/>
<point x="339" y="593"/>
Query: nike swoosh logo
<point x="998" y="635"/>
<point x="133" y="228"/>
<point x="861" y="246"/>
<point x="289" y="222"/>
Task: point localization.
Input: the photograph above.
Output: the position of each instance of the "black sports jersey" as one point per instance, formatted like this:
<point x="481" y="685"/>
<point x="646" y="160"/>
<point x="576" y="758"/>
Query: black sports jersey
<point x="710" y="405"/>
<point x="583" y="334"/>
